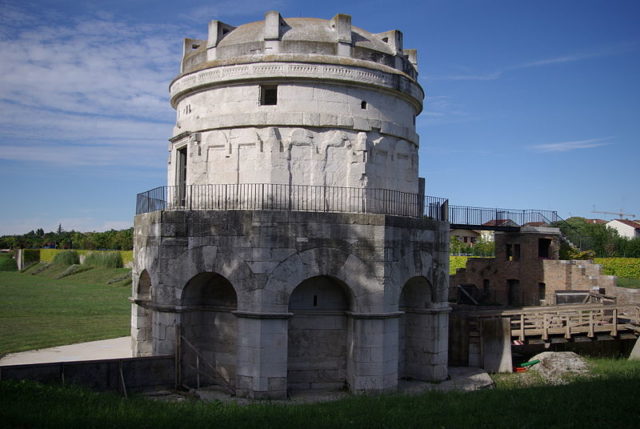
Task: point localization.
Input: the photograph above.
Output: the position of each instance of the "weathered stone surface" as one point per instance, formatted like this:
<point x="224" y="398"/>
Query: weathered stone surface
<point x="287" y="294"/>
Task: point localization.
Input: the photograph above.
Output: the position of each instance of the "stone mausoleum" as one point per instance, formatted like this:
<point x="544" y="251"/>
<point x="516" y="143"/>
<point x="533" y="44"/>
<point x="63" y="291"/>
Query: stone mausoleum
<point x="293" y="247"/>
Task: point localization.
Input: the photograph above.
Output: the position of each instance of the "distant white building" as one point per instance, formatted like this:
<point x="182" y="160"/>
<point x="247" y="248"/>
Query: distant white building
<point x="626" y="228"/>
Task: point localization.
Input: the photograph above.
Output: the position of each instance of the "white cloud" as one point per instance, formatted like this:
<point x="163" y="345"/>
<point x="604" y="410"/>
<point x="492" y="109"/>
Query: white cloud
<point x="85" y="90"/>
<point x="612" y="50"/>
<point x="571" y="145"/>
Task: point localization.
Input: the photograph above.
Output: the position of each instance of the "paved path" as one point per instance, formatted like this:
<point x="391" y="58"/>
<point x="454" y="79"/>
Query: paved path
<point x="104" y="349"/>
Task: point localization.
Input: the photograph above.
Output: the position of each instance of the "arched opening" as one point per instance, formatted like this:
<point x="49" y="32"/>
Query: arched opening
<point x="208" y="331"/>
<point x="318" y="333"/>
<point x="142" y="323"/>
<point x="414" y="334"/>
<point x="144" y="286"/>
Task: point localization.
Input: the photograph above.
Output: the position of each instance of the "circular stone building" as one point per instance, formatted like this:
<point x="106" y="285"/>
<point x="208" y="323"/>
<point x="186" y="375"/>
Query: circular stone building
<point x="292" y="248"/>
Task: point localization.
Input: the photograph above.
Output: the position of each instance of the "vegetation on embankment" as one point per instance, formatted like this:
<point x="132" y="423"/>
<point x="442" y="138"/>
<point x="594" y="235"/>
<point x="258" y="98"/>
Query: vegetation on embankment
<point x="40" y="310"/>
<point x="7" y="263"/>
<point x="605" y="399"/>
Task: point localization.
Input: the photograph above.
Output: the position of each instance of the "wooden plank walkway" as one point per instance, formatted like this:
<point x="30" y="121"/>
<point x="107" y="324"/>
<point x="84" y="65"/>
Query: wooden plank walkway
<point x="590" y="320"/>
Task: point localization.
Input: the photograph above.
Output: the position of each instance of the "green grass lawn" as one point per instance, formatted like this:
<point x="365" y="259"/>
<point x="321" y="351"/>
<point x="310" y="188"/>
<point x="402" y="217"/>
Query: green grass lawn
<point x="39" y="311"/>
<point x="608" y="398"/>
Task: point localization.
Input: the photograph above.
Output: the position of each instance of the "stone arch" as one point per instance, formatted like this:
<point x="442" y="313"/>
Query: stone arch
<point x="420" y="264"/>
<point x="318" y="333"/>
<point x="209" y="330"/>
<point x="197" y="260"/>
<point x="364" y="289"/>
<point x="144" y="288"/>
<point x="143" y="316"/>
<point x="414" y="327"/>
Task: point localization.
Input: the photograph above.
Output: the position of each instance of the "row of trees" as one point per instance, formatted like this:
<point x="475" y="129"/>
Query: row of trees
<point x="603" y="241"/>
<point x="61" y="239"/>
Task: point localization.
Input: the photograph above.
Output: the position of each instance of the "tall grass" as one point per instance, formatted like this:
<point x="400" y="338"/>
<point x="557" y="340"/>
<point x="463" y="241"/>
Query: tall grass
<point x="104" y="260"/>
<point x="68" y="257"/>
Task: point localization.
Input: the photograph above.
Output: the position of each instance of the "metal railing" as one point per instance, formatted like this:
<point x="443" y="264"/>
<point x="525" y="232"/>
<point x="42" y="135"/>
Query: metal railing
<point x="494" y="217"/>
<point x="266" y="196"/>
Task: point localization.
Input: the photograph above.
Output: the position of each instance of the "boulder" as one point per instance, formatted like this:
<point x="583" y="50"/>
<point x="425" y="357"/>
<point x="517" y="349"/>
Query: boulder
<point x="555" y="366"/>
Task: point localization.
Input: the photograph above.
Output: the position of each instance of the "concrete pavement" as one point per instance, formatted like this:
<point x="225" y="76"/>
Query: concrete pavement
<point x="103" y="349"/>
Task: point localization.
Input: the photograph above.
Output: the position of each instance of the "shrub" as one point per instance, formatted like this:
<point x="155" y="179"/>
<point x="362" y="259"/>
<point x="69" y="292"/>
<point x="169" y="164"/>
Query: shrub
<point x="104" y="259"/>
<point x="620" y="267"/>
<point x="456" y="262"/>
<point x="68" y="257"/>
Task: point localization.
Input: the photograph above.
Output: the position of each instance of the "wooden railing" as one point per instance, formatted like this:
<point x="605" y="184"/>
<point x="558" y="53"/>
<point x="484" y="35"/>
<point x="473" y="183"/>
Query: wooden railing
<point x="569" y="320"/>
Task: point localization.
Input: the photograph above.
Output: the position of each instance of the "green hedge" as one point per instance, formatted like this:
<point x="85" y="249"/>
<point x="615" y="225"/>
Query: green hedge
<point x="620" y="267"/>
<point x="104" y="259"/>
<point x="47" y="255"/>
<point x="66" y="257"/>
<point x="31" y="256"/>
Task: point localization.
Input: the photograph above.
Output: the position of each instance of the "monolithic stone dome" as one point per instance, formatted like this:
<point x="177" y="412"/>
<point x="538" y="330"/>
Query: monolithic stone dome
<point x="306" y="39"/>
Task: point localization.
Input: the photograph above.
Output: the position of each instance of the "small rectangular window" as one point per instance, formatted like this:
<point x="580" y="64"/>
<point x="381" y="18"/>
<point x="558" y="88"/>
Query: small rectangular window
<point x="268" y="95"/>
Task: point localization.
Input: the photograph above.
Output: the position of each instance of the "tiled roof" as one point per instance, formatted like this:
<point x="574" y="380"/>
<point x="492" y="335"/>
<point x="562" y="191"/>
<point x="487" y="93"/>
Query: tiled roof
<point x="631" y="223"/>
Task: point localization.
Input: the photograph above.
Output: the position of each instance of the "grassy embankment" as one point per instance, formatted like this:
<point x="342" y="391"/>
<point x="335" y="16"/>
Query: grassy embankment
<point x="39" y="310"/>
<point x="605" y="399"/>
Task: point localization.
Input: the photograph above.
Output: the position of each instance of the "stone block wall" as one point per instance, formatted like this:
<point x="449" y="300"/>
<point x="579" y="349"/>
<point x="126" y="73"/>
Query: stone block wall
<point x="527" y="272"/>
<point x="317" y="296"/>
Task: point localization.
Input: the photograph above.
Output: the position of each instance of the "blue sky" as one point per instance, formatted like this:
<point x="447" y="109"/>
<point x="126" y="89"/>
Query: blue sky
<point x="531" y="104"/>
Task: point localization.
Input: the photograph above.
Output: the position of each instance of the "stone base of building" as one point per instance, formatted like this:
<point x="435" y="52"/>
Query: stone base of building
<point x="268" y="302"/>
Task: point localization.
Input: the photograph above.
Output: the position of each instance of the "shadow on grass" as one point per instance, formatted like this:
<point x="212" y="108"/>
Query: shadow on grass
<point x="596" y="402"/>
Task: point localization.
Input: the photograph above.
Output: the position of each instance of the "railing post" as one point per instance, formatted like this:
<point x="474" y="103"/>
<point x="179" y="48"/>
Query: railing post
<point x="197" y="371"/>
<point x="521" y="338"/>
<point x="614" y="328"/>
<point x="178" y="358"/>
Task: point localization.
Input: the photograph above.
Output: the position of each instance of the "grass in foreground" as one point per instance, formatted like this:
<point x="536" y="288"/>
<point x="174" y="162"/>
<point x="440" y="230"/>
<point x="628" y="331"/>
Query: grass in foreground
<point x="606" y="399"/>
<point x="38" y="311"/>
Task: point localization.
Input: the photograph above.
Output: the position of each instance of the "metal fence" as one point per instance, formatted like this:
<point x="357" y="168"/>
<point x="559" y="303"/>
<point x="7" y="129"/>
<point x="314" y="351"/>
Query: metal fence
<point x="265" y="196"/>
<point x="492" y="217"/>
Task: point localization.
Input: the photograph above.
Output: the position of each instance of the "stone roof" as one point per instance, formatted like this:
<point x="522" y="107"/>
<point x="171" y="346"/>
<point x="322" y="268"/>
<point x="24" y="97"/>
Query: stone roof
<point x="304" y="30"/>
<point x="315" y="40"/>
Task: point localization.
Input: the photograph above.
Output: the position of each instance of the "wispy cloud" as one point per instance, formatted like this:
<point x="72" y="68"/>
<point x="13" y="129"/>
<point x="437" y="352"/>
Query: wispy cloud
<point x="612" y="50"/>
<point x="230" y="8"/>
<point x="94" y="84"/>
<point x="571" y="145"/>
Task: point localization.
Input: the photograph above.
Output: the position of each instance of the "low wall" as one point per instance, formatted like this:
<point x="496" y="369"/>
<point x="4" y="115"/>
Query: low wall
<point x="626" y="295"/>
<point x="136" y="374"/>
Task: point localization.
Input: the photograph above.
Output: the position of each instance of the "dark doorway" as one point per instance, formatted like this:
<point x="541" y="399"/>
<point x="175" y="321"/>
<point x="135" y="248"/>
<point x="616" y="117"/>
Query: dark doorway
<point x="544" y="245"/>
<point x="181" y="174"/>
<point x="514" y="293"/>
